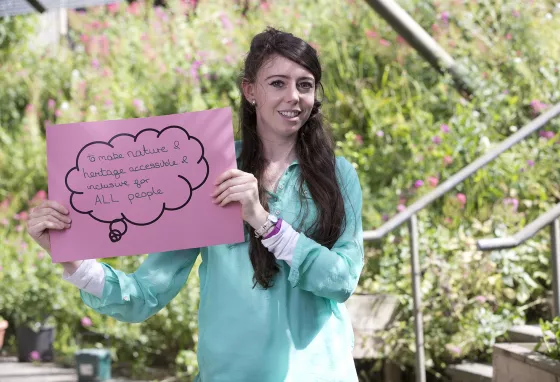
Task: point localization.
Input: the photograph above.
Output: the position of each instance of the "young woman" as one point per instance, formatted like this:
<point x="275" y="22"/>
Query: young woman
<point x="271" y="308"/>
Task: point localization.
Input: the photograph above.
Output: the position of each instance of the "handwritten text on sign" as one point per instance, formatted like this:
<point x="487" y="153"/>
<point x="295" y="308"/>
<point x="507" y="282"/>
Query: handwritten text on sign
<point x="129" y="178"/>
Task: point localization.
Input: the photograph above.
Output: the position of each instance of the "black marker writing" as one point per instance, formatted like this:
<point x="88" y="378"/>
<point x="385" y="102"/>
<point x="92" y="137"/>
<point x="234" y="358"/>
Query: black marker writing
<point x="144" y="194"/>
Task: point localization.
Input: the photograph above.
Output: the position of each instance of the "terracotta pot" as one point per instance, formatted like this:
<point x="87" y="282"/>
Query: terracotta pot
<point x="3" y="327"/>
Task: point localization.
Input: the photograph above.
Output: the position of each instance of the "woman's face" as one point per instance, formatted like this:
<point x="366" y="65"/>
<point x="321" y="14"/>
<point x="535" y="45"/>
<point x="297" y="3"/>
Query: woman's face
<point x="284" y="93"/>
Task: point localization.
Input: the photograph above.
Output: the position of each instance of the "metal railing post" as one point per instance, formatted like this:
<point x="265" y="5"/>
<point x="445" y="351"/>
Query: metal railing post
<point x="555" y="264"/>
<point x="417" y="299"/>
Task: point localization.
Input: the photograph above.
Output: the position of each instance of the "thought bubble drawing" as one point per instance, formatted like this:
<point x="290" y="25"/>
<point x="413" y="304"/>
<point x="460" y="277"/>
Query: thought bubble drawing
<point x="136" y="178"/>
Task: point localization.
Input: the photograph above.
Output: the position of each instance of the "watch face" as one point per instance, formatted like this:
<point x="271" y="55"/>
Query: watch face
<point x="273" y="218"/>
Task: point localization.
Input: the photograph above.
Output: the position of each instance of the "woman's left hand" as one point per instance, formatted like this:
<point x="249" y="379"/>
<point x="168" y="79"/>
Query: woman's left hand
<point x="238" y="186"/>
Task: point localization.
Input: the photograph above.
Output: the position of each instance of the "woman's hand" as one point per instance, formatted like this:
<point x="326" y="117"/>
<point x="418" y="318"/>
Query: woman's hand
<point x="238" y="186"/>
<point x="49" y="215"/>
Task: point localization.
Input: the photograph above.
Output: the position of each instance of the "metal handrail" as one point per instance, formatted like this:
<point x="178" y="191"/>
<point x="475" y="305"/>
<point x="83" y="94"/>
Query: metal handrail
<point x="409" y="215"/>
<point x="550" y="218"/>
<point x="520" y="237"/>
<point x="467" y="171"/>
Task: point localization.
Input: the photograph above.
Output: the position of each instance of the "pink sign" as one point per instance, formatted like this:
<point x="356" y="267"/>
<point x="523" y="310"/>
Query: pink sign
<point x="142" y="185"/>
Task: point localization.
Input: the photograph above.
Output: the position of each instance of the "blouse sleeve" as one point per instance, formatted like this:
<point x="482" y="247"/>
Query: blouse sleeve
<point x="137" y="296"/>
<point x="333" y="273"/>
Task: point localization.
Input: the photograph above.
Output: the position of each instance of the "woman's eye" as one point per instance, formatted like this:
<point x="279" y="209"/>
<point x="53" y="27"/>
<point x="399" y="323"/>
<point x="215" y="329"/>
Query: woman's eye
<point x="277" y="83"/>
<point x="306" y="85"/>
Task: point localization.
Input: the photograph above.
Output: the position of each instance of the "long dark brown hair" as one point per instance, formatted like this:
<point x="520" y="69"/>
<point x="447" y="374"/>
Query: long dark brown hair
<point x="314" y="151"/>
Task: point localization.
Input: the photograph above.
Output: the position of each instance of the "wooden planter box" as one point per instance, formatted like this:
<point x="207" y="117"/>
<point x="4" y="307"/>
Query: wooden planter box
<point x="517" y="362"/>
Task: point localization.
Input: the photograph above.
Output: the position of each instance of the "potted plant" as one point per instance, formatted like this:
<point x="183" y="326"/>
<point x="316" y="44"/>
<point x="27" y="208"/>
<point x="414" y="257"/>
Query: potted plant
<point x="3" y="327"/>
<point x="517" y="362"/>
<point x="35" y="329"/>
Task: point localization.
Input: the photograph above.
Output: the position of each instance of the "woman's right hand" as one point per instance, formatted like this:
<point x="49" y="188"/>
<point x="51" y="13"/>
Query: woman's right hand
<point x="49" y="215"/>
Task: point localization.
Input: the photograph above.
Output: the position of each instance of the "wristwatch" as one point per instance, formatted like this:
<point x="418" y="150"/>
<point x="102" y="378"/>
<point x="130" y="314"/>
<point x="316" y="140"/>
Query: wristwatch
<point x="270" y="221"/>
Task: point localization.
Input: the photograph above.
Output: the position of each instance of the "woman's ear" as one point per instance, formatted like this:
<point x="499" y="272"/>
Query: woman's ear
<point x="248" y="90"/>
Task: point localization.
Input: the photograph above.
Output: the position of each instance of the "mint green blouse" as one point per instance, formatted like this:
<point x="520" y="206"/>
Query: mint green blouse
<point x="298" y="330"/>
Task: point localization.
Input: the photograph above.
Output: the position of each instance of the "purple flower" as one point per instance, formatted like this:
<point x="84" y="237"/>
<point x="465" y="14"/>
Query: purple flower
<point x="194" y="70"/>
<point x="445" y="17"/>
<point x="86" y="322"/>
<point x="401" y="207"/>
<point x="51" y="104"/>
<point x="380" y="133"/>
<point x="444" y="128"/>
<point x="95" y="63"/>
<point x="546" y="134"/>
<point x="419" y="183"/>
<point x="436" y="140"/>
<point x="530" y="163"/>
<point x="34" y="355"/>
<point x="462" y="198"/>
<point x="513" y="202"/>
<point x="385" y="217"/>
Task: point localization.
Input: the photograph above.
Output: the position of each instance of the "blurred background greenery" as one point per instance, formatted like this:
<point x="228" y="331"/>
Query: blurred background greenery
<point x="400" y="123"/>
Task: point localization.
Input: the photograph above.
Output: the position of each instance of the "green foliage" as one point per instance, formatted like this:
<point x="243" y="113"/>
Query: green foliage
<point x="551" y="338"/>
<point x="400" y="123"/>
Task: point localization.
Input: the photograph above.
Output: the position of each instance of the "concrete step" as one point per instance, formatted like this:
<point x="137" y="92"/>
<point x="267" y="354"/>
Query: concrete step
<point x="470" y="372"/>
<point x="524" y="333"/>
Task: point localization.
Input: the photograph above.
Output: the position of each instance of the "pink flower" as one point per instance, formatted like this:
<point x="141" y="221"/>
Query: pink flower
<point x="34" y="355"/>
<point x="51" y="104"/>
<point x="538" y="106"/>
<point x="95" y="63"/>
<point x="401" y="207"/>
<point x="86" y="322"/>
<point x="108" y="102"/>
<point x="480" y="299"/>
<point x="436" y="140"/>
<point x="513" y="202"/>
<point x="84" y="38"/>
<point x="433" y="181"/>
<point x="113" y="8"/>
<point x="530" y="163"/>
<point x="139" y="105"/>
<point x="371" y="34"/>
<point x="444" y="128"/>
<point x="380" y="133"/>
<point x="508" y="36"/>
<point x="226" y="23"/>
<point x="444" y="17"/>
<point x="40" y="255"/>
<point x="133" y="8"/>
<point x="401" y="40"/>
<point x="265" y="6"/>
<point x="419" y="183"/>
<point x="58" y="113"/>
<point x="5" y="222"/>
<point x="456" y="350"/>
<point x="515" y="13"/>
<point x="385" y="217"/>
<point x="447" y="160"/>
<point x="462" y="198"/>
<point x="546" y="134"/>
<point x="384" y="42"/>
<point x="1" y="268"/>
<point x="29" y="108"/>
<point x="359" y="139"/>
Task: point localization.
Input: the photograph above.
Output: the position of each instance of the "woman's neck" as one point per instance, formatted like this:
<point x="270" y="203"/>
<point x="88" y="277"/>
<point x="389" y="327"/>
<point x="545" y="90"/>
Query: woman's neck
<point x="279" y="151"/>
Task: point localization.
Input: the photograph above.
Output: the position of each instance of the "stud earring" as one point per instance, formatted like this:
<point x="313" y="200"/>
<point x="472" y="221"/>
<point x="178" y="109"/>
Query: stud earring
<point x="254" y="102"/>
